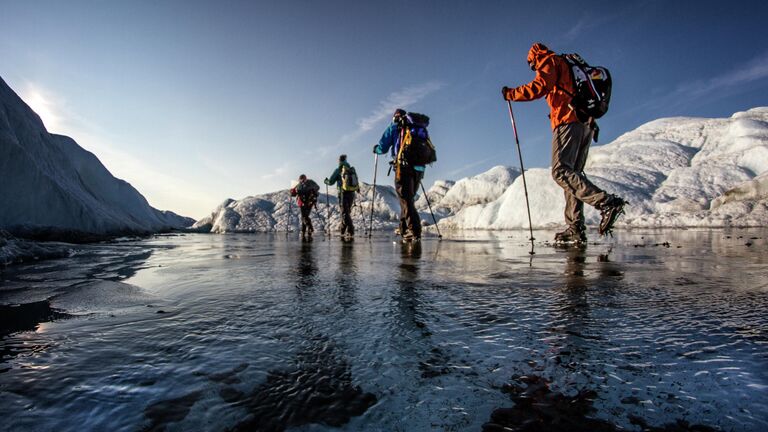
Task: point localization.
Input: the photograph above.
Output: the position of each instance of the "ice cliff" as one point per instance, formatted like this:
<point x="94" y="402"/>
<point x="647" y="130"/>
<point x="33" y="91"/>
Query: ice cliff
<point x="53" y="188"/>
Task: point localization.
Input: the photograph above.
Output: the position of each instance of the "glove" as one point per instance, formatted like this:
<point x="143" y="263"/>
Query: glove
<point x="326" y="181"/>
<point x="506" y="93"/>
<point x="376" y="148"/>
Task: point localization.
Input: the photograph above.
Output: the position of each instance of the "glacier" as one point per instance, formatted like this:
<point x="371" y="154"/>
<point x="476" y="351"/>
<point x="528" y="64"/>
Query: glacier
<point x="53" y="189"/>
<point x="675" y="172"/>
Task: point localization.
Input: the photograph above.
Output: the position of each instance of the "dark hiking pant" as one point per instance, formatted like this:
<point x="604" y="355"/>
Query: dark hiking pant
<point x="406" y="186"/>
<point x="347" y="200"/>
<point x="570" y="147"/>
<point x="306" y="222"/>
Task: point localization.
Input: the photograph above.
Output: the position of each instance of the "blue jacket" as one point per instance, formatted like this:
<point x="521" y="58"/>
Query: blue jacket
<point x="390" y="141"/>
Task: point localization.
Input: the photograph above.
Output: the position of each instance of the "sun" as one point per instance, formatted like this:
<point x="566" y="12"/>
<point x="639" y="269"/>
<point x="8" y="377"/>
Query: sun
<point x="42" y="106"/>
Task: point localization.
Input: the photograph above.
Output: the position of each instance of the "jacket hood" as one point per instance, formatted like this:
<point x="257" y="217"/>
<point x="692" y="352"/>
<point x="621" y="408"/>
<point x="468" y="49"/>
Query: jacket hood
<point x="537" y="54"/>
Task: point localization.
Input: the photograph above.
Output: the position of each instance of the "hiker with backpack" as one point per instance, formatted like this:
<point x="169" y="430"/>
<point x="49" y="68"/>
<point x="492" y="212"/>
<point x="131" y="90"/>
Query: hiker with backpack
<point x="306" y="192"/>
<point x="574" y="103"/>
<point x="345" y="178"/>
<point x="408" y="142"/>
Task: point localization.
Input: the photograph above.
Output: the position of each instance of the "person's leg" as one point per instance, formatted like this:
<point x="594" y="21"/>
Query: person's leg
<point x="341" y="207"/>
<point x="577" y="211"/>
<point x="409" y="217"/>
<point x="401" y="190"/>
<point x="415" y="220"/>
<point x="570" y="146"/>
<point x="349" y="201"/>
<point x="574" y="210"/>
<point x="306" y="222"/>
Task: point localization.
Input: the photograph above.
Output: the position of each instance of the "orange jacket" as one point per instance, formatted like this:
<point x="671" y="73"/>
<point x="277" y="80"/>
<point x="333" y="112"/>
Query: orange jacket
<point x="552" y="77"/>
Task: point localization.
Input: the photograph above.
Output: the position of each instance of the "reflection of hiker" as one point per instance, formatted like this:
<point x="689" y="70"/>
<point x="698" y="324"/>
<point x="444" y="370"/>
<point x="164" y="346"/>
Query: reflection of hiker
<point x="407" y="141"/>
<point x="306" y="192"/>
<point x="571" y="136"/>
<point x="346" y="182"/>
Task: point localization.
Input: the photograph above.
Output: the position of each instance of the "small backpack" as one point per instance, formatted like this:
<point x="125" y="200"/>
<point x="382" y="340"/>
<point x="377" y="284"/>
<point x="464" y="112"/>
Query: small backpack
<point x="349" y="182"/>
<point x="592" y="87"/>
<point x="416" y="147"/>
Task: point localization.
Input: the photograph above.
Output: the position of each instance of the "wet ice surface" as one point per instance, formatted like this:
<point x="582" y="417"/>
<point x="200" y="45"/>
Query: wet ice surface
<point x="258" y="332"/>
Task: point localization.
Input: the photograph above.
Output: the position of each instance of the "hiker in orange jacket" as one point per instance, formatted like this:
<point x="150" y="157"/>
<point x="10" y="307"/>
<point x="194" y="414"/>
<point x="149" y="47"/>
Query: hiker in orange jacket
<point x="571" y="137"/>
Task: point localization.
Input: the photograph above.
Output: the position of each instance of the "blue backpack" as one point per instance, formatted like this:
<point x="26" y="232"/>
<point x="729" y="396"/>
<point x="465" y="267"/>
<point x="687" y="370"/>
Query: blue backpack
<point x="416" y="147"/>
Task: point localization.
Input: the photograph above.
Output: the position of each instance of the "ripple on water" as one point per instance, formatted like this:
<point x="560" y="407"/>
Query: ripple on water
<point x="264" y="332"/>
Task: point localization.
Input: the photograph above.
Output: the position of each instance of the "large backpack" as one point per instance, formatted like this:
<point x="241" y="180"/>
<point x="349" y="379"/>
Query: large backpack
<point x="592" y="87"/>
<point x="308" y="191"/>
<point x="349" y="182"/>
<point x="416" y="147"/>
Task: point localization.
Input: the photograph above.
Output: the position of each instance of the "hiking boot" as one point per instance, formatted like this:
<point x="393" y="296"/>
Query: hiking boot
<point x="572" y="234"/>
<point x="609" y="212"/>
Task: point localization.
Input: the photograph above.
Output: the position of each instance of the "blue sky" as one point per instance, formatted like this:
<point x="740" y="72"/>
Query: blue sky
<point x="193" y="102"/>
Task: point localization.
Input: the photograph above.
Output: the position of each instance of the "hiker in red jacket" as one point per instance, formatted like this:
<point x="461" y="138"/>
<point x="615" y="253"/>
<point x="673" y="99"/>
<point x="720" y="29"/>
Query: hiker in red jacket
<point x="306" y="192"/>
<point x="571" y="136"/>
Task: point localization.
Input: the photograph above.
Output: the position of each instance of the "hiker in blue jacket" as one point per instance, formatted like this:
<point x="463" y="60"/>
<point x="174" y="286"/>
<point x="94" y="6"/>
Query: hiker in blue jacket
<point x="407" y="176"/>
<point x="346" y="197"/>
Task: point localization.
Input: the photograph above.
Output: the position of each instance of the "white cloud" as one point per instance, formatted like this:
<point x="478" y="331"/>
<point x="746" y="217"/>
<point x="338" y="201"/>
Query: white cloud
<point x="745" y="74"/>
<point x="278" y="172"/>
<point x="577" y="29"/>
<point x="399" y="99"/>
<point x="473" y="165"/>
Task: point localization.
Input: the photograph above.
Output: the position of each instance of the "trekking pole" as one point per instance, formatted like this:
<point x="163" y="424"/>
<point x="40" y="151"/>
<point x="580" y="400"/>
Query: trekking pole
<point x="522" y="173"/>
<point x="359" y="205"/>
<point x="288" y="223"/>
<point x="328" y="211"/>
<point x="373" y="192"/>
<point x="429" y="206"/>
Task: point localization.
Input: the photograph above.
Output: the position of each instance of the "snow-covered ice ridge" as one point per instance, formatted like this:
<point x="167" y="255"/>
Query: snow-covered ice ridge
<point x="675" y="172"/>
<point x="53" y="186"/>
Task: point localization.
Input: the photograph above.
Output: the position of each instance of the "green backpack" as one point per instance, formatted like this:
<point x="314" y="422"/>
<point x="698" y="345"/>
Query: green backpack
<point x="349" y="182"/>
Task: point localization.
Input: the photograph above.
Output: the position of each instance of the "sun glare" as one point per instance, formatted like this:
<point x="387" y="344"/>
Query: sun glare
<point x="43" y="106"/>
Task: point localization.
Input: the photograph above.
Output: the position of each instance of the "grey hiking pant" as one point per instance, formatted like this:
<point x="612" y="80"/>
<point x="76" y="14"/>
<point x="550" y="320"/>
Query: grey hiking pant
<point x="570" y="147"/>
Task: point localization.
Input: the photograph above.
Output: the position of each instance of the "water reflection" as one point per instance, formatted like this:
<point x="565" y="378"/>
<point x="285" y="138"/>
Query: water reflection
<point x="346" y="276"/>
<point x="306" y="267"/>
<point x="316" y="385"/>
<point x="573" y="320"/>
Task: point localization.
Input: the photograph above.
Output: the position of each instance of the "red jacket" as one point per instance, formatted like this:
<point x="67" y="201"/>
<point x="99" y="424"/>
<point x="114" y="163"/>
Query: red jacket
<point x="552" y="77"/>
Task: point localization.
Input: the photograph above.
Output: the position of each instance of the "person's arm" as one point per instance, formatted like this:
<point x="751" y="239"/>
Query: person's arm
<point x="388" y="140"/>
<point x="335" y="177"/>
<point x="546" y="78"/>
